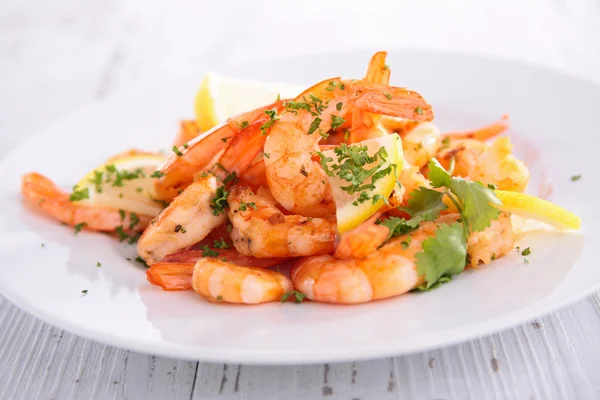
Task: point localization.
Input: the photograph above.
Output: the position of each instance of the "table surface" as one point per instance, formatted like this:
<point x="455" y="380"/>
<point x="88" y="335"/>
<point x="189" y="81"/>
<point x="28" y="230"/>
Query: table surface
<point x="57" y="55"/>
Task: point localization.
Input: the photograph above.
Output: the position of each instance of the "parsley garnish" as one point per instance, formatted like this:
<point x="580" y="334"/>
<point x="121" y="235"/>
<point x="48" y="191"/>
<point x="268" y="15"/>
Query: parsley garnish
<point x="387" y="96"/>
<point x="219" y="298"/>
<point x="157" y="174"/>
<point x="339" y="106"/>
<point x="243" y="125"/>
<point x="42" y="245"/>
<point x="221" y="244"/>
<point x="244" y="206"/>
<point x="208" y="252"/>
<point x="575" y="178"/>
<point x="219" y="202"/>
<point x="121" y="233"/>
<point x="336" y="121"/>
<point x="232" y="177"/>
<point x="267" y="155"/>
<point x="84" y="292"/>
<point x="176" y="151"/>
<point x="98" y="264"/>
<point x="185" y="145"/>
<point x="418" y="110"/>
<point x="78" y="227"/>
<point x="492" y="186"/>
<point x="141" y="261"/>
<point x="272" y="119"/>
<point x="299" y="296"/>
<point x="134" y="220"/>
<point x="229" y="227"/>
<point x="314" y="125"/>
<point x="97" y="181"/>
<point x="180" y="228"/>
<point x="79" y="195"/>
<point x="526" y="252"/>
<point x="225" y="139"/>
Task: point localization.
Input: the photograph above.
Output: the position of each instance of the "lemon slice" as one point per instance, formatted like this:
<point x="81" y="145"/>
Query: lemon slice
<point x="124" y="183"/>
<point x="349" y="211"/>
<point x="220" y="97"/>
<point x="527" y="206"/>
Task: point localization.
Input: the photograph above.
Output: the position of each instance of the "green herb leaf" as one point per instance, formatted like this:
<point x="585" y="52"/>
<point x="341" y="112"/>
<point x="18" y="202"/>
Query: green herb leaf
<point x="444" y="254"/>
<point x="98" y="264"/>
<point x="221" y="244"/>
<point x="575" y="178"/>
<point x="438" y="175"/>
<point x="176" y="151"/>
<point x="314" y="125"/>
<point x="157" y="174"/>
<point x="79" y="195"/>
<point x="418" y="110"/>
<point x="336" y="121"/>
<point x="78" y="227"/>
<point x="219" y="202"/>
<point x="208" y="252"/>
<point x="387" y="96"/>
<point x="299" y="296"/>
<point x="134" y="220"/>
<point x="477" y="203"/>
<point x="339" y="106"/>
<point x="426" y="204"/>
<point x="526" y="252"/>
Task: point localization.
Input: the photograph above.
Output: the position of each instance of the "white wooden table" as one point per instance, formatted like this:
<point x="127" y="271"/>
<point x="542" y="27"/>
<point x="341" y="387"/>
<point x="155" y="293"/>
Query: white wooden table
<point x="56" y="55"/>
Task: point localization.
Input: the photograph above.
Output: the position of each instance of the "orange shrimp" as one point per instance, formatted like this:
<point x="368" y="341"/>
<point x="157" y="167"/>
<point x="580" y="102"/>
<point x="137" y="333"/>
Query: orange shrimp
<point x="188" y="130"/>
<point x="179" y="169"/>
<point x="42" y="193"/>
<point x="219" y="281"/>
<point x="299" y="183"/>
<point x="175" y="272"/>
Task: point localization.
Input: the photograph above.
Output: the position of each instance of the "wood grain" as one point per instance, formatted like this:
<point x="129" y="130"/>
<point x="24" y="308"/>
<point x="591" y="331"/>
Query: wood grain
<point x="58" y="55"/>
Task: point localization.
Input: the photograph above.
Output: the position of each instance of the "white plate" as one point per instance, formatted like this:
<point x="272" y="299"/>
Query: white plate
<point x="555" y="125"/>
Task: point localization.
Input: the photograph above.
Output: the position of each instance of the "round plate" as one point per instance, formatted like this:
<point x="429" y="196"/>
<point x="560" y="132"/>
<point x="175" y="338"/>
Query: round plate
<point x="554" y="120"/>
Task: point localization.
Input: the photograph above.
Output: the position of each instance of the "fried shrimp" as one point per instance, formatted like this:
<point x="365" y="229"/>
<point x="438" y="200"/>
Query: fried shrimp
<point x="261" y="230"/>
<point x="42" y="193"/>
<point x="186" y="221"/>
<point x="219" y="281"/>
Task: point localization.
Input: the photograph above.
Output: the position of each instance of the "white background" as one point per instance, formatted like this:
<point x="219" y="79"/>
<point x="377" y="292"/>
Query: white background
<point x="58" y="55"/>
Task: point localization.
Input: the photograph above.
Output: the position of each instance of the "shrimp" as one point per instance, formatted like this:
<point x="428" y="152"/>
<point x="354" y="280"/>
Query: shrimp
<point x="391" y="270"/>
<point x="363" y="240"/>
<point x="261" y="230"/>
<point x="44" y="194"/>
<point x="187" y="220"/>
<point x="497" y="165"/>
<point x="484" y="133"/>
<point x="366" y="125"/>
<point x="181" y="166"/>
<point x="489" y="164"/>
<point x="219" y="281"/>
<point x="299" y="183"/>
<point x="175" y="273"/>
<point x="421" y="144"/>
<point x="188" y="130"/>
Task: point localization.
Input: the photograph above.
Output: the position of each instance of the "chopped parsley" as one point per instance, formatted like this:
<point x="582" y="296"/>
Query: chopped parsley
<point x="122" y="215"/>
<point x="79" y="195"/>
<point x="225" y="139"/>
<point x="272" y="119"/>
<point x="492" y="186"/>
<point x="219" y="298"/>
<point x="84" y="292"/>
<point x="387" y="96"/>
<point x="78" y="227"/>
<point x="219" y="202"/>
<point x="386" y="66"/>
<point x="298" y="296"/>
<point x="229" y="227"/>
<point x="176" y="151"/>
<point x="232" y="177"/>
<point x="336" y="122"/>
<point x="134" y="220"/>
<point x="418" y="110"/>
<point x="575" y="178"/>
<point x="121" y="233"/>
<point x="141" y="261"/>
<point x="314" y="125"/>
<point x="339" y="106"/>
<point x="98" y="264"/>
<point x="267" y="155"/>
<point x="243" y="125"/>
<point x="208" y="252"/>
<point x="157" y="174"/>
<point x="97" y="181"/>
<point x="42" y="245"/>
<point x="244" y="206"/>
<point x="180" y="228"/>
<point x="221" y="244"/>
<point x="526" y="252"/>
<point x="185" y="145"/>
<point x="406" y="243"/>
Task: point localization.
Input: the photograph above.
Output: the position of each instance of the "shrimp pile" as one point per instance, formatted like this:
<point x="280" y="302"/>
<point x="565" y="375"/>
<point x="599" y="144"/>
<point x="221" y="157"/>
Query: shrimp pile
<point x="250" y="211"/>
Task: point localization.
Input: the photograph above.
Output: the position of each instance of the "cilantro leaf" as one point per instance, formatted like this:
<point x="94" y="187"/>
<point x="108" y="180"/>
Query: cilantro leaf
<point x="444" y="254"/>
<point x="437" y="174"/>
<point x="425" y="203"/>
<point x="477" y="203"/>
<point x="299" y="296"/>
<point x="400" y="226"/>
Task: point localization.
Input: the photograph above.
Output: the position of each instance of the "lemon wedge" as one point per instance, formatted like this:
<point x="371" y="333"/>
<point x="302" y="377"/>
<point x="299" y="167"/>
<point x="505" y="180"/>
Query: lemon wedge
<point x="350" y="211"/>
<point x="527" y="206"/>
<point x="221" y="97"/>
<point x="124" y="183"/>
